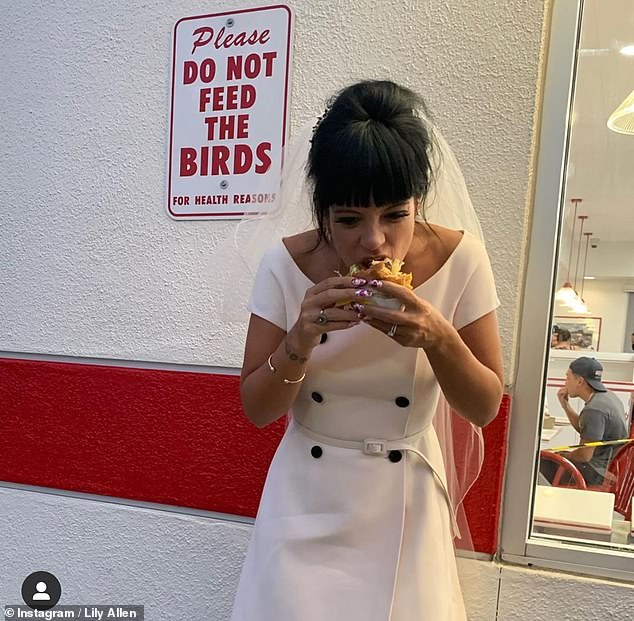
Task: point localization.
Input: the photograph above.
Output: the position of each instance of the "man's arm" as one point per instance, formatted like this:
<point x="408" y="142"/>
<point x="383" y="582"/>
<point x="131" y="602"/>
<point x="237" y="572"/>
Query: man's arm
<point x="581" y="455"/>
<point x="592" y="429"/>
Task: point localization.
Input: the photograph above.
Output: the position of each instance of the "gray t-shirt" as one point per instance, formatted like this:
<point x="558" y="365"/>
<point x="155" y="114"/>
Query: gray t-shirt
<point x="603" y="419"/>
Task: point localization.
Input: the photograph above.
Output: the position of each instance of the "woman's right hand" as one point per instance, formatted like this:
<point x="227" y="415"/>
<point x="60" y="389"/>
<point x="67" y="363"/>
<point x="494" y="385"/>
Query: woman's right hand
<point x="306" y="333"/>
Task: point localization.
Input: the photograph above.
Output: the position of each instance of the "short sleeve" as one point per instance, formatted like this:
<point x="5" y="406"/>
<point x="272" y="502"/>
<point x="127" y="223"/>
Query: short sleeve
<point x="479" y="296"/>
<point x="592" y="425"/>
<point x="267" y="294"/>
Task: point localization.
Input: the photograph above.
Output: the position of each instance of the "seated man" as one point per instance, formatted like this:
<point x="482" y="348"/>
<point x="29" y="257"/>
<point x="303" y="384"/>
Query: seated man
<point x="601" y="419"/>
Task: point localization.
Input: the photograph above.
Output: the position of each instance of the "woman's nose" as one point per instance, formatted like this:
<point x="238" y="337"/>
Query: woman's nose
<point x="372" y="237"/>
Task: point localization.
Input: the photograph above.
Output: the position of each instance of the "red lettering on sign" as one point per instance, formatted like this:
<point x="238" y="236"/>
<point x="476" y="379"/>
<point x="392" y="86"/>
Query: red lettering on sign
<point x="192" y="71"/>
<point x="247" y="96"/>
<point x="203" y="99"/>
<point x="204" y="162"/>
<point x="205" y="35"/>
<point x="217" y="96"/>
<point x="251" y="66"/>
<point x="242" y="130"/>
<point x="229" y="127"/>
<point x="225" y="160"/>
<point x="219" y="157"/>
<point x="220" y="97"/>
<point x="244" y="159"/>
<point x="188" y="162"/>
<point x="265" y="160"/>
<point x="232" y="97"/>
<point x="211" y="121"/>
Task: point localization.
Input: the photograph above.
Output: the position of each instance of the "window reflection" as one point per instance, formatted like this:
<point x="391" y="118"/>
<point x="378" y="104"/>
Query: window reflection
<point x="584" y="493"/>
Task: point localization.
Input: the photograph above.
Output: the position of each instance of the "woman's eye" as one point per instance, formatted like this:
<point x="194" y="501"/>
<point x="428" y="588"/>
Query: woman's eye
<point x="347" y="220"/>
<point x="397" y="215"/>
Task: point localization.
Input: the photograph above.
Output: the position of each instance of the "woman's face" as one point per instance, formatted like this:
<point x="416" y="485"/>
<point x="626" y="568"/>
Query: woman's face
<point x="362" y="233"/>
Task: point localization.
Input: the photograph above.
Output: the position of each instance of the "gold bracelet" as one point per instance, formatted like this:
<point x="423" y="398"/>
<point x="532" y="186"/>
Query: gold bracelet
<point x="286" y="381"/>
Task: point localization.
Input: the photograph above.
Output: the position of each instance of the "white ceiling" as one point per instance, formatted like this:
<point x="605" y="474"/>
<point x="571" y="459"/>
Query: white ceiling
<point x="601" y="162"/>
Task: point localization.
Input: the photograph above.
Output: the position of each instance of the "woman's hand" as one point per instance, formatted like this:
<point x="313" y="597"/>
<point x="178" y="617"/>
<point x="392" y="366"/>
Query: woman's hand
<point x="476" y="390"/>
<point x="419" y="324"/>
<point x="319" y="302"/>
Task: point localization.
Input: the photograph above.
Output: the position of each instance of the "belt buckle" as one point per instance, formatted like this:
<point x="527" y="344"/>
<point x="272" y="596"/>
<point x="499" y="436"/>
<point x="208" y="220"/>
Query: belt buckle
<point x="374" y="446"/>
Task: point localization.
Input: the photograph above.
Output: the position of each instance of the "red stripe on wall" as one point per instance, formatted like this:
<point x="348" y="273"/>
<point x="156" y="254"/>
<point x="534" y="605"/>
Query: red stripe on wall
<point x="484" y="500"/>
<point x="169" y="437"/>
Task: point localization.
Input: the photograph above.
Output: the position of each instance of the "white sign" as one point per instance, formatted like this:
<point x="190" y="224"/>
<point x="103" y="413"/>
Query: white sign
<point x="228" y="121"/>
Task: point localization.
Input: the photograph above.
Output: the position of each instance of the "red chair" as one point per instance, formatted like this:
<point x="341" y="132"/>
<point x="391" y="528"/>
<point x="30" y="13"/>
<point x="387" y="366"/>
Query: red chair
<point x="619" y="480"/>
<point x="564" y="466"/>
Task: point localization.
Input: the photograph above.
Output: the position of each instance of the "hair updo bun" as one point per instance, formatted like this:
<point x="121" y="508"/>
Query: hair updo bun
<point x="371" y="147"/>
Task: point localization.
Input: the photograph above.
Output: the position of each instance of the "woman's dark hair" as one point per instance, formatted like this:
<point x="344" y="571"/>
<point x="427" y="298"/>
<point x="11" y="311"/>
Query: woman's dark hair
<point x="370" y="147"/>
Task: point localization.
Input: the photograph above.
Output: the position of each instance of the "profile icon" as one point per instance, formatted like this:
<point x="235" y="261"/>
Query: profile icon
<point x="41" y="590"/>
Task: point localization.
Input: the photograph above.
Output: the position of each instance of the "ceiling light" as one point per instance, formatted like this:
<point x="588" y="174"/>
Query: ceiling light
<point x="566" y="294"/>
<point x="621" y="120"/>
<point x="582" y="307"/>
<point x="628" y="50"/>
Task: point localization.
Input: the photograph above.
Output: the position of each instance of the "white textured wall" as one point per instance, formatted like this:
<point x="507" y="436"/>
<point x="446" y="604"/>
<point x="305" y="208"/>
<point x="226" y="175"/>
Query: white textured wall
<point x="90" y="262"/>
<point x="187" y="567"/>
<point x="549" y="596"/>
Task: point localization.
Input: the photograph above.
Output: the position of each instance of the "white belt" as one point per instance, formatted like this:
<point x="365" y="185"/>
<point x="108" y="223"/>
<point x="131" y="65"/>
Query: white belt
<point x="379" y="447"/>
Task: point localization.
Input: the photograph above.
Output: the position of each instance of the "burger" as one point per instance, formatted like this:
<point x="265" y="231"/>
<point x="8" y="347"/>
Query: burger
<point x="380" y="269"/>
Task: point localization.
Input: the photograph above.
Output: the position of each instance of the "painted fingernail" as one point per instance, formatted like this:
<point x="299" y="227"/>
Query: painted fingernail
<point x="357" y="307"/>
<point x="363" y="293"/>
<point x="375" y="283"/>
<point x="357" y="282"/>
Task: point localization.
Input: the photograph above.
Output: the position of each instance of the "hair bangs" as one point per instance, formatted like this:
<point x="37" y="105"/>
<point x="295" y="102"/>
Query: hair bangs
<point x="371" y="167"/>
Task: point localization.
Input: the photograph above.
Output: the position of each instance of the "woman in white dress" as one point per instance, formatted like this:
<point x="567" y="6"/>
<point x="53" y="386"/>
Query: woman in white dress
<point x="356" y="520"/>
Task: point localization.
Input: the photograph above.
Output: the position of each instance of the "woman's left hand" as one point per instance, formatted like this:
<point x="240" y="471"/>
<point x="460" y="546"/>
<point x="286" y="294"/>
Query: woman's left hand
<point x="419" y="324"/>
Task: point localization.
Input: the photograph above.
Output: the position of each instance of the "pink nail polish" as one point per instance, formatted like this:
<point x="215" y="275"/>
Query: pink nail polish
<point x="357" y="282"/>
<point x="358" y="307"/>
<point x="375" y="283"/>
<point x="363" y="293"/>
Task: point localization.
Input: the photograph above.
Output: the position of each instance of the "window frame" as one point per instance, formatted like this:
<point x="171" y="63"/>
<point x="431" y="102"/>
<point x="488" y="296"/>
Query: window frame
<point x="517" y="545"/>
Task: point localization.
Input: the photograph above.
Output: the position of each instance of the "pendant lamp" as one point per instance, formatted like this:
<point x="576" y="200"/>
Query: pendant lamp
<point x="583" y="307"/>
<point x="621" y="120"/>
<point x="576" y="304"/>
<point x="565" y="294"/>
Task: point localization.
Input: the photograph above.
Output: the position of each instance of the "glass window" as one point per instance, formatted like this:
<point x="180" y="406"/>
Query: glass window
<point x="579" y="515"/>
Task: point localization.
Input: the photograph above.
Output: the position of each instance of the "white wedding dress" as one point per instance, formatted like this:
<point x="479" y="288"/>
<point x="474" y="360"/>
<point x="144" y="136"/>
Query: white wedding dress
<point x="341" y="534"/>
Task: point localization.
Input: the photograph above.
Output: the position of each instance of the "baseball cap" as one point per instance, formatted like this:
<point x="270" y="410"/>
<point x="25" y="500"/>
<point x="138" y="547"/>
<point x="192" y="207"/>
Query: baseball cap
<point x="591" y="370"/>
